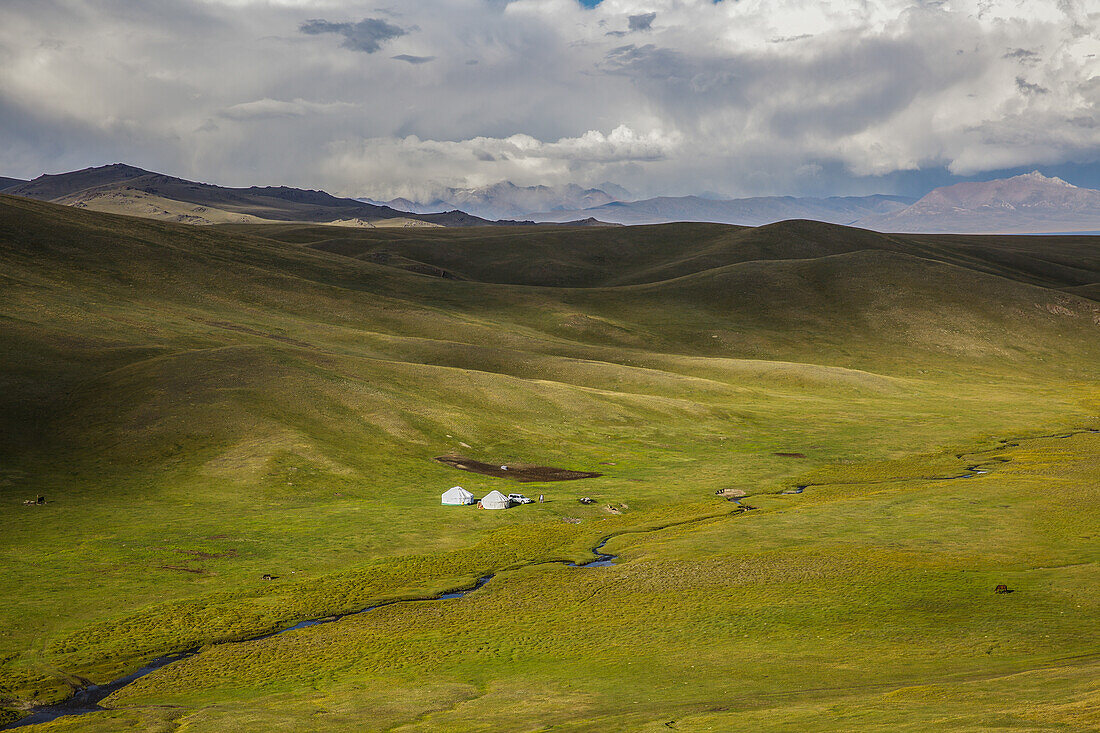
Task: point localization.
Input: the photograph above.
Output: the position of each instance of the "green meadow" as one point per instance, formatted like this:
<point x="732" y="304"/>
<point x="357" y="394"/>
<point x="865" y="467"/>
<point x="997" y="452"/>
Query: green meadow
<point x="202" y="406"/>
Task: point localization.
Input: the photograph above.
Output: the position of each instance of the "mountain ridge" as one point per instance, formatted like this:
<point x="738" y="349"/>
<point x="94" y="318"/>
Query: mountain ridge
<point x="753" y="211"/>
<point x="1030" y="203"/>
<point x="112" y="188"/>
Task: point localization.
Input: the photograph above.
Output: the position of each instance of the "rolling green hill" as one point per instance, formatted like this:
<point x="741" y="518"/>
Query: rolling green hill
<point x="203" y="406"/>
<point x="575" y="257"/>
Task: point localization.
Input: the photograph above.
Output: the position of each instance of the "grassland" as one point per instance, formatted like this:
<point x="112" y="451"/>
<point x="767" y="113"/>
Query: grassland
<point x="205" y="405"/>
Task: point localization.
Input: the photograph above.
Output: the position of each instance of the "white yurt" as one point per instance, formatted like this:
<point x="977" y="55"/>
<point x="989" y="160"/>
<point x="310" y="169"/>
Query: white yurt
<point x="495" y="500"/>
<point x="457" y="495"/>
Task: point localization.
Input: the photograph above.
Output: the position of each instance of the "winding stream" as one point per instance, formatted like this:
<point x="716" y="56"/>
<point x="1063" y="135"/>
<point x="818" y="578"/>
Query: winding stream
<point x="970" y="471"/>
<point x="87" y="699"/>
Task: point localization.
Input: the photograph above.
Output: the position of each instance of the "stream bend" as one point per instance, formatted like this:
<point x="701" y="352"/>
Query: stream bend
<point x="86" y="699"/>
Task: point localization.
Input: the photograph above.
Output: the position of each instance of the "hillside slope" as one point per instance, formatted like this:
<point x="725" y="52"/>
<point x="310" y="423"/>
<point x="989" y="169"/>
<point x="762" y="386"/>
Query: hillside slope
<point x="601" y="257"/>
<point x="202" y="406"/>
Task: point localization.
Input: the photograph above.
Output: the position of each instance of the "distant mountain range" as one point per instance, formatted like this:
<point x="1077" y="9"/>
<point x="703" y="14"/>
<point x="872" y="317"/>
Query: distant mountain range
<point x="1030" y="203"/>
<point x="1026" y="204"/>
<point x="124" y="189"/>
<point x="747" y="212"/>
<point x="505" y="200"/>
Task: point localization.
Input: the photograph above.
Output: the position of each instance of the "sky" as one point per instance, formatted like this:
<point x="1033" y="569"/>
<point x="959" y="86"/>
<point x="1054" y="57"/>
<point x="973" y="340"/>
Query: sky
<point x="664" y="97"/>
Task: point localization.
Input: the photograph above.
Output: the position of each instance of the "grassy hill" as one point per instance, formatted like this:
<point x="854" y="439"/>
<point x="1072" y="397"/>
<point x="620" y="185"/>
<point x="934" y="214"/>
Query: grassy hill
<point x="202" y="406"/>
<point x="593" y="257"/>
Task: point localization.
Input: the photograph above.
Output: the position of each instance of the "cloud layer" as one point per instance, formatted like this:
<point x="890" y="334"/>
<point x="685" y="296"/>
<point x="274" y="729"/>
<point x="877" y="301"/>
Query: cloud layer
<point x="663" y="96"/>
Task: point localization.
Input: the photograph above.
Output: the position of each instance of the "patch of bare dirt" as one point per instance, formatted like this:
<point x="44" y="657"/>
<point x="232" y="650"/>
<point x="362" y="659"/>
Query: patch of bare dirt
<point x="522" y="472"/>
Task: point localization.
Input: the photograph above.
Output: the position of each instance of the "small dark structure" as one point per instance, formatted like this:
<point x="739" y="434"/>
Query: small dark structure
<point x="36" y="501"/>
<point x="1002" y="588"/>
<point x="731" y="493"/>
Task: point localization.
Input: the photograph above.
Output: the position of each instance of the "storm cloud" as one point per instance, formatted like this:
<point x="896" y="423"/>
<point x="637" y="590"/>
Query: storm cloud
<point x="367" y="35"/>
<point x="641" y="22"/>
<point x="739" y="98"/>
<point x="410" y="59"/>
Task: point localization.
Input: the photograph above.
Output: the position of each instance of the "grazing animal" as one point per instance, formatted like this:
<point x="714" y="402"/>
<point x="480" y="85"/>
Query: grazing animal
<point x="1002" y="588"/>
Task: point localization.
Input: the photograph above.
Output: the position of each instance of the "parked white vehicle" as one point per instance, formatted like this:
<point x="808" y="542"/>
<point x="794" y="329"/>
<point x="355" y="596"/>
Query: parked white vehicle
<point x="519" y="499"/>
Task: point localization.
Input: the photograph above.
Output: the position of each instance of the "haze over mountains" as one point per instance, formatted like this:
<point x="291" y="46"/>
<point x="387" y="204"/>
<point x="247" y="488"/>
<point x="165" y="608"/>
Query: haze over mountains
<point x="1031" y="203"/>
<point x="746" y="212"/>
<point x="505" y="200"/>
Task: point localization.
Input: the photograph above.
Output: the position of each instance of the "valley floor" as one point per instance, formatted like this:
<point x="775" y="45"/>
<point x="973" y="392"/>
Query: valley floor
<point x="865" y="605"/>
<point x="204" y="407"/>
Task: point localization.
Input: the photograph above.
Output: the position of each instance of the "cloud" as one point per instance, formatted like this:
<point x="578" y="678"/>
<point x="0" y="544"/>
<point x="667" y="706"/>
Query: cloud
<point x="1023" y="55"/>
<point x="413" y="59"/>
<point x="740" y="98"/>
<point x="367" y="35"/>
<point x="477" y="161"/>
<point x="641" y="22"/>
<point x="1027" y="88"/>
<point x="268" y="108"/>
